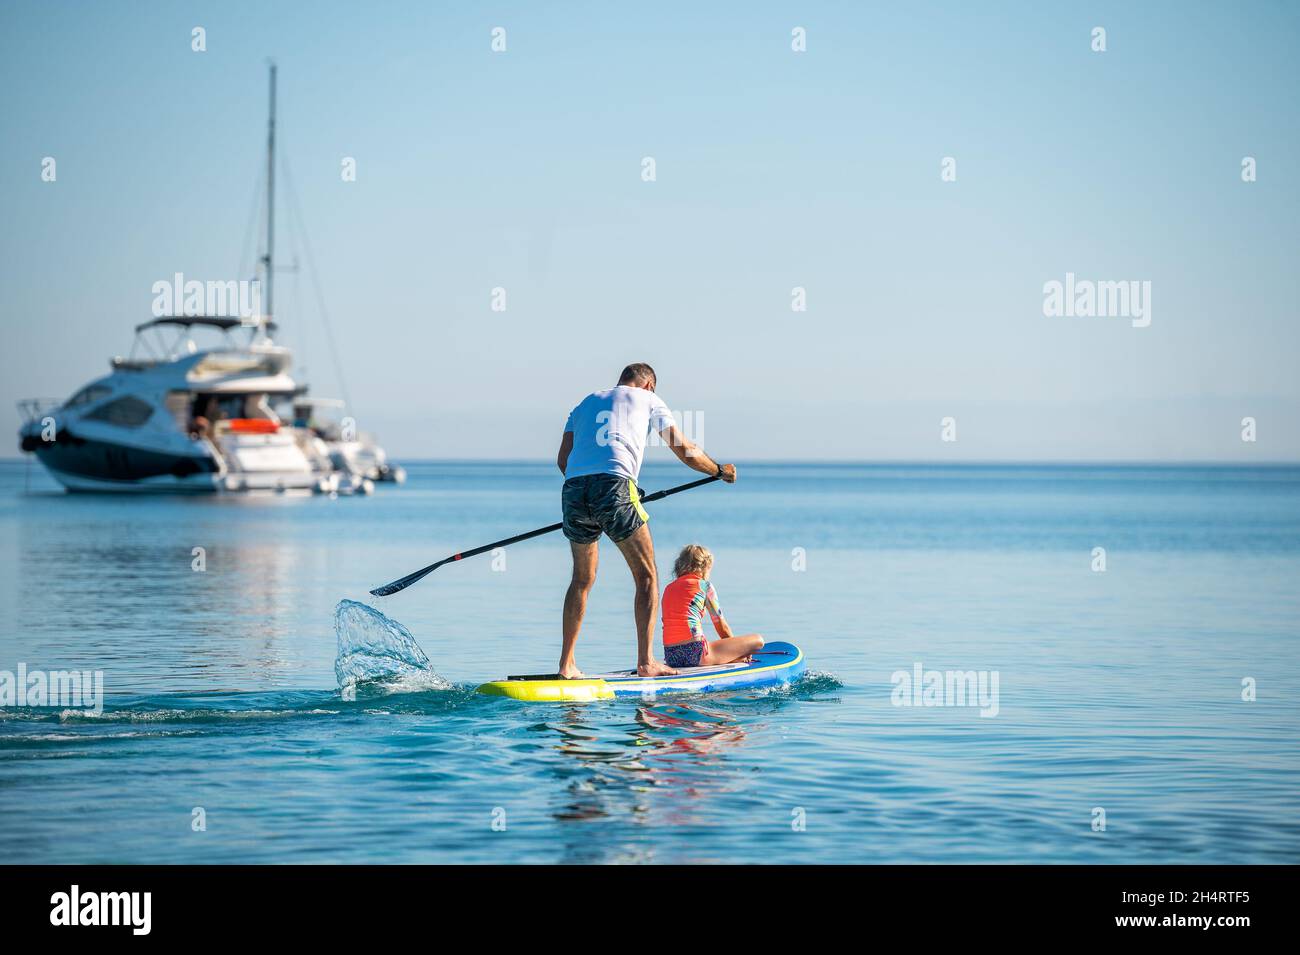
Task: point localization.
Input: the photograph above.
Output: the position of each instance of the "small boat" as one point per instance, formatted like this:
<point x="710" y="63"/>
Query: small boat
<point x="776" y="664"/>
<point x="350" y="451"/>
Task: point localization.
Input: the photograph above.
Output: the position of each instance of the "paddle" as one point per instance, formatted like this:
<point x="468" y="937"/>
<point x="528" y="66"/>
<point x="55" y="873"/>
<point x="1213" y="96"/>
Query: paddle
<point x="423" y="572"/>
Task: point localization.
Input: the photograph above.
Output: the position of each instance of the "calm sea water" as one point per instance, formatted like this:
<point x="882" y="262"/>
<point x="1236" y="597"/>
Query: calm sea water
<point x="1118" y="691"/>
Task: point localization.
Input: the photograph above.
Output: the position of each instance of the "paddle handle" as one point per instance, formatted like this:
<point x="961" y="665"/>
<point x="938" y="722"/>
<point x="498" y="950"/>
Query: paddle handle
<point x="660" y="495"/>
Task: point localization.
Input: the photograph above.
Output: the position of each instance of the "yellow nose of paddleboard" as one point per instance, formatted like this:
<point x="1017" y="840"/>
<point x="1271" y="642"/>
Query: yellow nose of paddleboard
<point x="548" y="691"/>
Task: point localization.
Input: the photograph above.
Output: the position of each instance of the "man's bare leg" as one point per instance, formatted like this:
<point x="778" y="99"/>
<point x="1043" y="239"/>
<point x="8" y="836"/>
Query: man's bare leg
<point x="639" y="551"/>
<point x="575" y="603"/>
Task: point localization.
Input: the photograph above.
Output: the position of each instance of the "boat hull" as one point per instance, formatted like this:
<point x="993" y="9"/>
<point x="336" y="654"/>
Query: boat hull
<point x="160" y="484"/>
<point x="82" y="464"/>
<point x="93" y="458"/>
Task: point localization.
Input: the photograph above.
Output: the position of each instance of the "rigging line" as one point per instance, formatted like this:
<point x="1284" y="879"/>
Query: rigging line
<point x="295" y="292"/>
<point x="316" y="286"/>
<point x="254" y="209"/>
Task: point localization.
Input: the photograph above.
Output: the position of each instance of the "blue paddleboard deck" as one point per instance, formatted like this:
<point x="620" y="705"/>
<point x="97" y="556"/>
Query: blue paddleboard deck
<point x="775" y="664"/>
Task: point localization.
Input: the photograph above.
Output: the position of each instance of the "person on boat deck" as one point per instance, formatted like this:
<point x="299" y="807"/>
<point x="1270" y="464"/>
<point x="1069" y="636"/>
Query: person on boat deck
<point x="686" y="600"/>
<point x="600" y="456"/>
<point x="205" y="412"/>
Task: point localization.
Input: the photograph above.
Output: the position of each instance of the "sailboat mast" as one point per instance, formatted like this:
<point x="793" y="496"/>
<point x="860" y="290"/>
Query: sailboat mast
<point x="268" y="259"/>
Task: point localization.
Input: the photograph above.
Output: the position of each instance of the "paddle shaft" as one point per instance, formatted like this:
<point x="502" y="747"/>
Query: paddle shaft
<point x="404" y="582"/>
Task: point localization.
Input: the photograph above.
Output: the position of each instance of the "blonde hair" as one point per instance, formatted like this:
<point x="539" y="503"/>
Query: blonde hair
<point x="694" y="559"/>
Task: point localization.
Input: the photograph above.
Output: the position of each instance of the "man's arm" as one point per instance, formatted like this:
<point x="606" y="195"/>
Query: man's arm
<point x="693" y="456"/>
<point x="566" y="447"/>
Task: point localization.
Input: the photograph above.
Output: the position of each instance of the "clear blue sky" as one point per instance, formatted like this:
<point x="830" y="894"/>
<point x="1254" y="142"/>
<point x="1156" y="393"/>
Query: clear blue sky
<point x="775" y="170"/>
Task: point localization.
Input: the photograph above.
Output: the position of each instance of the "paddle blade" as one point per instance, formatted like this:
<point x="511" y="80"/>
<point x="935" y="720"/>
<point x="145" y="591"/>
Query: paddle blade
<point x="390" y="589"/>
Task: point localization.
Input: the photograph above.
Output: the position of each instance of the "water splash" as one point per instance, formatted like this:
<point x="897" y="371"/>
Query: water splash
<point x="373" y="648"/>
<point x="814" y="682"/>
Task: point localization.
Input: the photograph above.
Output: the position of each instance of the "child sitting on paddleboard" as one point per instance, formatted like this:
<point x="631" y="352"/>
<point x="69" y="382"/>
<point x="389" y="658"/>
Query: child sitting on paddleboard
<point x="686" y="600"/>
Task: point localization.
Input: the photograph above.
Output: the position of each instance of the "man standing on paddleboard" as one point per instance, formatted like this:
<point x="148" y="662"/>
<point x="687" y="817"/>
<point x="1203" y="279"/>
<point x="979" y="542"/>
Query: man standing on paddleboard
<point x="600" y="456"/>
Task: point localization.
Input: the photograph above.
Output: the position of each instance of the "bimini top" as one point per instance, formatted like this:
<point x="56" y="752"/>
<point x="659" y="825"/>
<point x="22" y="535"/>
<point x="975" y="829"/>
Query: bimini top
<point x="150" y="351"/>
<point x="223" y="322"/>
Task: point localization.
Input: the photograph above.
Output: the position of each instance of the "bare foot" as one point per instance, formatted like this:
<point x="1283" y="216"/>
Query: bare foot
<point x="655" y="668"/>
<point x="570" y="673"/>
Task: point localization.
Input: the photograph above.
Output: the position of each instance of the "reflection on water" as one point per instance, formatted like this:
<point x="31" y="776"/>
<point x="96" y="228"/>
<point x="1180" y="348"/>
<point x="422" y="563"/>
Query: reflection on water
<point x="671" y="746"/>
<point x="110" y="583"/>
<point x="674" y="764"/>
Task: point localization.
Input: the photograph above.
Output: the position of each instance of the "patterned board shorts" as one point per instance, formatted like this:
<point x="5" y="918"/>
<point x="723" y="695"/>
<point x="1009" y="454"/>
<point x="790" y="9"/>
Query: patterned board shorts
<point x="684" y="654"/>
<point x="601" y="502"/>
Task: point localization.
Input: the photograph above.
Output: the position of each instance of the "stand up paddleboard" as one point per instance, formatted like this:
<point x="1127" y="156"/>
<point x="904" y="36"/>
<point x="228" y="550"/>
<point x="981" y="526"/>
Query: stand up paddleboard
<point x="775" y="664"/>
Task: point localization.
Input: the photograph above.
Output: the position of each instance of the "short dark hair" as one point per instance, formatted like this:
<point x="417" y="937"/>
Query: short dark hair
<point x="636" y="373"/>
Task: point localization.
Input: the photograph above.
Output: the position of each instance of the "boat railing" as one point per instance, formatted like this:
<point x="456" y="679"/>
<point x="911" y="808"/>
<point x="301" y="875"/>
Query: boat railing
<point x="34" y="409"/>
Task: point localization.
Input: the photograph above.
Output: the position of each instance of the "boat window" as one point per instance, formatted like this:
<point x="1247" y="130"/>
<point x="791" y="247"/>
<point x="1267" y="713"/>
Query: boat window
<point x="178" y="406"/>
<point x="127" y="411"/>
<point x="225" y="407"/>
<point x="227" y="364"/>
<point x="88" y="395"/>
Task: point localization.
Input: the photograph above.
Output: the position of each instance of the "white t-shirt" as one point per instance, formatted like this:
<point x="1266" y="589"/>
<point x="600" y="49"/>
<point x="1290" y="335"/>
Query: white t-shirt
<point x="610" y="429"/>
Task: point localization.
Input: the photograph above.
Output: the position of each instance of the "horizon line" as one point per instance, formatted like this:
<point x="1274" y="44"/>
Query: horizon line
<point x="858" y="462"/>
